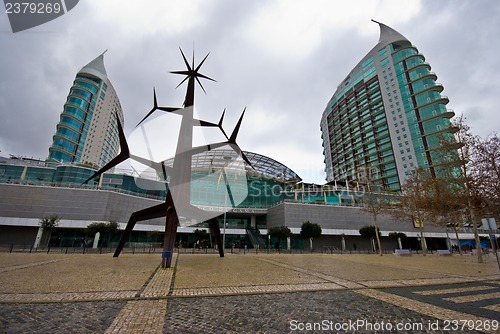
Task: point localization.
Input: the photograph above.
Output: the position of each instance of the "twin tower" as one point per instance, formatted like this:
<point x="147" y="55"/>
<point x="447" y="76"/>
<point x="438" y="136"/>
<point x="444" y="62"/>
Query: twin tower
<point x="87" y="132"/>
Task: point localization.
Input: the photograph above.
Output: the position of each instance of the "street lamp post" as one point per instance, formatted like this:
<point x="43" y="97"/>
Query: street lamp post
<point x="224" y="232"/>
<point x="489" y="224"/>
<point x="227" y="159"/>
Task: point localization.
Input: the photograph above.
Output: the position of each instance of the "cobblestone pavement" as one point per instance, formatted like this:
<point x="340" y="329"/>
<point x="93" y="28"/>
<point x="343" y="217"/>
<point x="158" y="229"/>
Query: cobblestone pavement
<point x="480" y="299"/>
<point x="260" y="294"/>
<point x="58" y="318"/>
<point x="337" y="311"/>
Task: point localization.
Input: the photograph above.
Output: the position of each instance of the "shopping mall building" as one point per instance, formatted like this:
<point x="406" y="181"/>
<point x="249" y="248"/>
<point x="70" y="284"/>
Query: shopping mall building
<point x="274" y="196"/>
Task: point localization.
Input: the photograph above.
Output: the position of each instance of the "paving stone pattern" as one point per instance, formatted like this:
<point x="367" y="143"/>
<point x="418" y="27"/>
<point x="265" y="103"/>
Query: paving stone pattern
<point x="279" y="313"/>
<point x="58" y="318"/>
<point x="140" y="316"/>
<point x="476" y="299"/>
<point x="307" y="299"/>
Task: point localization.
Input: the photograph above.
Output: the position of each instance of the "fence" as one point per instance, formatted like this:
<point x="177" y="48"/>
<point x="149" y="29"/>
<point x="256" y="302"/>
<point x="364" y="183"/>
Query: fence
<point x="140" y="249"/>
<point x="155" y="248"/>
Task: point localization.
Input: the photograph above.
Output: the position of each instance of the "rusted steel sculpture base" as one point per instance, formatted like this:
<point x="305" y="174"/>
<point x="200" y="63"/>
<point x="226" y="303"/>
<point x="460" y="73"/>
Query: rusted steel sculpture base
<point x="167" y="210"/>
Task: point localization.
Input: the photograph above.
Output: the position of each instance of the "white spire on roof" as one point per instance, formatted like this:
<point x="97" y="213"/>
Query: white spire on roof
<point x="96" y="67"/>
<point x="388" y="35"/>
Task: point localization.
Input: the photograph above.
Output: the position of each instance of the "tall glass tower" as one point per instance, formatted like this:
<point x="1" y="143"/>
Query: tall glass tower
<point x="87" y="131"/>
<point x="385" y="117"/>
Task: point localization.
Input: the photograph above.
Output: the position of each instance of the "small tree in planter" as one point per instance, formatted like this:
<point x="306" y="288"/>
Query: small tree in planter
<point x="201" y="237"/>
<point x="398" y="236"/>
<point x="104" y="229"/>
<point x="311" y="231"/>
<point x="281" y="232"/>
<point x="48" y="224"/>
<point x="369" y="232"/>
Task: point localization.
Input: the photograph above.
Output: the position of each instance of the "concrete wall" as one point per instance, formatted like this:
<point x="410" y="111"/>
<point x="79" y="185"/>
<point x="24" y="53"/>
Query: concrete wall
<point x="336" y="217"/>
<point x="23" y="201"/>
<point x="336" y="221"/>
<point x="362" y="244"/>
<point x="21" y="207"/>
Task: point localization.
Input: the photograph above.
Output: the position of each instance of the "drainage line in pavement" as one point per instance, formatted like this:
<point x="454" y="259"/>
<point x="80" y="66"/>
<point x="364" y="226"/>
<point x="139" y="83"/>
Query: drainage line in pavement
<point x="138" y="294"/>
<point x="171" y="288"/>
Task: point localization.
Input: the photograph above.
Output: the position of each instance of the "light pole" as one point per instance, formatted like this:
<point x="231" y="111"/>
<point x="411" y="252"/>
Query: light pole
<point x="227" y="159"/>
<point x="490" y="224"/>
<point x="224" y="232"/>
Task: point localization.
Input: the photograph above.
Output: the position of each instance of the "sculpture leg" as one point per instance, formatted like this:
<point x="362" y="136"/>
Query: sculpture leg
<point x="171" y="224"/>
<point x="214" y="226"/>
<point x="148" y="213"/>
<point x="169" y="239"/>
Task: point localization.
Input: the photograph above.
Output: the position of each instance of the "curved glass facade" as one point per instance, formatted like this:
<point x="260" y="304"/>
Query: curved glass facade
<point x="258" y="187"/>
<point x="87" y="129"/>
<point x="385" y="117"/>
<point x="424" y="107"/>
<point x="266" y="183"/>
<point x="78" y="110"/>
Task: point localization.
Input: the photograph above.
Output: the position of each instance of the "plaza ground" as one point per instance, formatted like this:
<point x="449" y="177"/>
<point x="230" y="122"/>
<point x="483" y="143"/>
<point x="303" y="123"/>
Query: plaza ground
<point x="243" y="293"/>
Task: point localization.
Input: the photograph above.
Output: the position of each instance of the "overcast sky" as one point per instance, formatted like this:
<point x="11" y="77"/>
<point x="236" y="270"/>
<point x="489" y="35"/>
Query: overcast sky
<point x="282" y="60"/>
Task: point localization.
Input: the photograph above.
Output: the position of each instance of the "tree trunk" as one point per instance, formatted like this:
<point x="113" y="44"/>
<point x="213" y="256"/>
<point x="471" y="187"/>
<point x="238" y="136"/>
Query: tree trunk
<point x="45" y="238"/>
<point x="422" y="238"/>
<point x="476" y="234"/>
<point x="422" y="242"/>
<point x="458" y="240"/>
<point x="376" y="234"/>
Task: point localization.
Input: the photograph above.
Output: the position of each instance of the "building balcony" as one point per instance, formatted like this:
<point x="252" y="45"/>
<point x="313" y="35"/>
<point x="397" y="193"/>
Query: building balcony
<point x="424" y="75"/>
<point x="436" y="87"/>
<point x="448" y="114"/>
<point x="442" y="99"/>
<point x="417" y="65"/>
<point x="60" y="149"/>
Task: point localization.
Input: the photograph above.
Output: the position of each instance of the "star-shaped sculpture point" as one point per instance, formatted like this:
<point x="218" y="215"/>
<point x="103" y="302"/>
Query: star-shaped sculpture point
<point x="192" y="73"/>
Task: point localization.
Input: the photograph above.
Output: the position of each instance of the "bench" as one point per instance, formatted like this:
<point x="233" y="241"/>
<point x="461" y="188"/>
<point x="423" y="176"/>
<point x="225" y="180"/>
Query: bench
<point x="406" y="252"/>
<point x="444" y="252"/>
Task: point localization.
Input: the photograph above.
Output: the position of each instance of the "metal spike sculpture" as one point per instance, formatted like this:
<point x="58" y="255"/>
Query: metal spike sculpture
<point x="180" y="171"/>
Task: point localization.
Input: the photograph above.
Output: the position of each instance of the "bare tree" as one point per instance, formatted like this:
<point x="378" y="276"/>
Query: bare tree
<point x="486" y="172"/>
<point x="416" y="202"/>
<point x="456" y="156"/>
<point x="376" y="204"/>
<point x="463" y="181"/>
<point x="445" y="202"/>
<point x="376" y="199"/>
